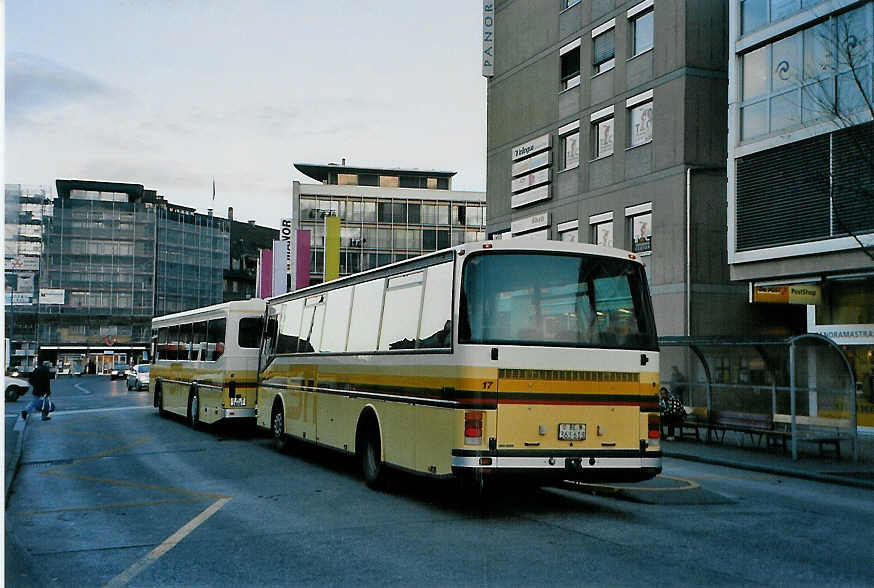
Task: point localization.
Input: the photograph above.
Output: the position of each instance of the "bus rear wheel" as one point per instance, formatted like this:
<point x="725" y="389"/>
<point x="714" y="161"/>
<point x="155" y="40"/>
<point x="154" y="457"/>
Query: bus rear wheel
<point x="371" y="460"/>
<point x="277" y="428"/>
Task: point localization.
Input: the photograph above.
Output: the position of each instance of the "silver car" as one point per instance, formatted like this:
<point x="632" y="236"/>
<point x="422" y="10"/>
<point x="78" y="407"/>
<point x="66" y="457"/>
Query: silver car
<point x="138" y="378"/>
<point x="15" y="387"/>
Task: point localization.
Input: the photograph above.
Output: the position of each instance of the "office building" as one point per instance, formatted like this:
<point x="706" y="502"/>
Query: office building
<point x="114" y="256"/>
<point x="800" y="169"/>
<point x="607" y="125"/>
<point x="386" y="214"/>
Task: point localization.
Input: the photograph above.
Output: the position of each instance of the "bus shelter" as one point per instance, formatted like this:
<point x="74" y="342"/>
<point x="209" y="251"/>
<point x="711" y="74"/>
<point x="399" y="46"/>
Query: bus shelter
<point x="804" y="382"/>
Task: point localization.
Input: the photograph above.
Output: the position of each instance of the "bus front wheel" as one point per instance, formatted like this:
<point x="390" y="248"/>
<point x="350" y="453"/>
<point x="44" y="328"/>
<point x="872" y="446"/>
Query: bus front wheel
<point x="371" y="459"/>
<point x="194" y="410"/>
<point x="159" y="400"/>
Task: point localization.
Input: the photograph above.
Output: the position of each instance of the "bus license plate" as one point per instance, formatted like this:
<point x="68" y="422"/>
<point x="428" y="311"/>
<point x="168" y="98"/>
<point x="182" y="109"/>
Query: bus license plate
<point x="572" y="431"/>
<point x="238" y="401"/>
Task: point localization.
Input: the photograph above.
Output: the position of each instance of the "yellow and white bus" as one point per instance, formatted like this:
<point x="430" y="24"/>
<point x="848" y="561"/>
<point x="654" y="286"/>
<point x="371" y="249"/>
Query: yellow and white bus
<point x="512" y="356"/>
<point x="205" y="361"/>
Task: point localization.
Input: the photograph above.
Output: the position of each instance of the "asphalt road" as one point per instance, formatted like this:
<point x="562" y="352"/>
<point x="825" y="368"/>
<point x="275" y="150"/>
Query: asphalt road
<point x="109" y="493"/>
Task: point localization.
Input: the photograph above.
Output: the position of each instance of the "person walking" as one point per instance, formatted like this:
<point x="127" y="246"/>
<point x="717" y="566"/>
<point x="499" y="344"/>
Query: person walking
<point x="40" y="380"/>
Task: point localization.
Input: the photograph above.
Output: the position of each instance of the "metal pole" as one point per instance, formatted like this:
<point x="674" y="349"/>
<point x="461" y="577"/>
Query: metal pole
<point x="792" y="399"/>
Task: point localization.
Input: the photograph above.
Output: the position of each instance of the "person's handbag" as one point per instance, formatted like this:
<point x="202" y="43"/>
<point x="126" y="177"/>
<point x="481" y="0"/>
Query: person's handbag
<point x="47" y="404"/>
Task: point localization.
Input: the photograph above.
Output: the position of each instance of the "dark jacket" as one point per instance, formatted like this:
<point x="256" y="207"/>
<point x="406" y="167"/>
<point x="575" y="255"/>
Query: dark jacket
<point x="40" y="380"/>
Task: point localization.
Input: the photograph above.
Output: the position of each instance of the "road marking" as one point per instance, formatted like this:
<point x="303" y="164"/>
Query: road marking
<point x="690" y="485"/>
<point x="95" y="410"/>
<point x="29" y="513"/>
<point x="82" y="388"/>
<point x="169" y="543"/>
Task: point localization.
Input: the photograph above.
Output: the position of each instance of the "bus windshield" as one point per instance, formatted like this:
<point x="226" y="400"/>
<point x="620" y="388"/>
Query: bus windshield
<point x="555" y="299"/>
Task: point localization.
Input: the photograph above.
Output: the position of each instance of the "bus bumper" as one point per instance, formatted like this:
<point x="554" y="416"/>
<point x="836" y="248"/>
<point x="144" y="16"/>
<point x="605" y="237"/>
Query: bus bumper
<point x="583" y="466"/>
<point x="238" y="413"/>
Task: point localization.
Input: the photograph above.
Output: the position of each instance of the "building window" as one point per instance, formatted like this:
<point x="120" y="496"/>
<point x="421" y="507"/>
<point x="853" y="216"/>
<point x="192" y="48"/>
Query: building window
<point x="639" y="224"/>
<point x="569" y="141"/>
<point x="569" y="231"/>
<point x="807" y="76"/>
<point x="601" y="226"/>
<point x="602" y="133"/>
<point x="389" y="181"/>
<point x="639" y="118"/>
<point x="347" y="179"/>
<point x="603" y="47"/>
<point x="641" y="19"/>
<point x="570" y="65"/>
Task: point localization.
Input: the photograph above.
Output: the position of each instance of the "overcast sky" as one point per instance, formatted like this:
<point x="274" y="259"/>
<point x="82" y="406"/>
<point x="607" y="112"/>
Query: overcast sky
<point x="172" y="93"/>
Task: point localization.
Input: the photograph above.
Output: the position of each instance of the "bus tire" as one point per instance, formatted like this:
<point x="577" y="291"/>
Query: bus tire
<point x="372" y="466"/>
<point x="277" y="427"/>
<point x="194" y="409"/>
<point x="159" y="400"/>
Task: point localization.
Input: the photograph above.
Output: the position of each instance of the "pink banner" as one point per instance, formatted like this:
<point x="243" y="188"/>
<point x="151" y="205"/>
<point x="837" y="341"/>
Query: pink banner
<point x="302" y="267"/>
<point x="265" y="274"/>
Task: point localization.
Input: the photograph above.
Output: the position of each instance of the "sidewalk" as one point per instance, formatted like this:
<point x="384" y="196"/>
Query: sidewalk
<point x="15" y="429"/>
<point x="810" y="464"/>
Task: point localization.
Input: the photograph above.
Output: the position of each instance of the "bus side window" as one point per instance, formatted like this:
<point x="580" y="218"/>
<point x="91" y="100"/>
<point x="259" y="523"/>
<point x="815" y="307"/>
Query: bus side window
<point x="288" y="326"/>
<point x="216" y="338"/>
<point x="435" y="330"/>
<point x="173" y="343"/>
<point x="366" y="313"/>
<point x="161" y="346"/>
<point x="198" y="342"/>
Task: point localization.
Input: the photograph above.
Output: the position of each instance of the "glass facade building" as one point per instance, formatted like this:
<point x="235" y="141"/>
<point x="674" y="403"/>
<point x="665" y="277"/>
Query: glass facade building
<point x="114" y="256"/>
<point x="386" y="215"/>
<point x="192" y="253"/>
<point x="800" y="169"/>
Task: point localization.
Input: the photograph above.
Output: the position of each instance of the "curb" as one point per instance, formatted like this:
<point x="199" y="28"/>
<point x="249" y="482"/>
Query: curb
<point x="13" y="458"/>
<point x="788" y="472"/>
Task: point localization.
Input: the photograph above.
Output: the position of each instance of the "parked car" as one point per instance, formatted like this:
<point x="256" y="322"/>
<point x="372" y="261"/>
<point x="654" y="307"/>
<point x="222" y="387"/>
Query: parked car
<point x="139" y="378"/>
<point x="16" y="387"/>
<point x="117" y="372"/>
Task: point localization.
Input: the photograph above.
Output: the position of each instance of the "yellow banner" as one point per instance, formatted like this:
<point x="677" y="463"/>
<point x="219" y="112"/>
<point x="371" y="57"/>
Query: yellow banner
<point x="332" y="248"/>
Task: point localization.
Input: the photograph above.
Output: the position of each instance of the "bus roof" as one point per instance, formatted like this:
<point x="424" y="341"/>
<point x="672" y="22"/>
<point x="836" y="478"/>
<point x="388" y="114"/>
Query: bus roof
<point x="256" y="305"/>
<point x="518" y="244"/>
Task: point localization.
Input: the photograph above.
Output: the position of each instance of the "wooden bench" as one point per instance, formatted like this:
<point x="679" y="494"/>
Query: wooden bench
<point x="757" y="426"/>
<point x="815" y="430"/>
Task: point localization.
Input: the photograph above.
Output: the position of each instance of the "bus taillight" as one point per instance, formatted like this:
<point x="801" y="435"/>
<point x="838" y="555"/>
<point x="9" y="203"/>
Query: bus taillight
<point x="655" y="425"/>
<point x="473" y="427"/>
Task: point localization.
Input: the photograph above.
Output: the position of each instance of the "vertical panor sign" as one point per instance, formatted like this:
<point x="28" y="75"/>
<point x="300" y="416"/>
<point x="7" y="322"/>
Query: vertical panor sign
<point x="287" y="233"/>
<point x="488" y="38"/>
<point x="332" y="248"/>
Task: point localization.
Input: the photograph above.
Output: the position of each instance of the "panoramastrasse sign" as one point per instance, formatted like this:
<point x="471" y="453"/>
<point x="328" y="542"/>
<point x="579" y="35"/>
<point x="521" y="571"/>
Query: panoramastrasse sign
<point x="488" y="38"/>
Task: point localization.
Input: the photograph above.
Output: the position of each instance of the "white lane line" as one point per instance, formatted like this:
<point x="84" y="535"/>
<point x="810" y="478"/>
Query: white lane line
<point x="88" y="410"/>
<point x="169" y="543"/>
<point x="82" y="388"/>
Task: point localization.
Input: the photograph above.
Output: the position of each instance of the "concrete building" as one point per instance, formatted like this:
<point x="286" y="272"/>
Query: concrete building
<point x="247" y="240"/>
<point x="607" y="124"/>
<point x="800" y="169"/>
<point x="386" y="214"/>
<point x="25" y="208"/>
